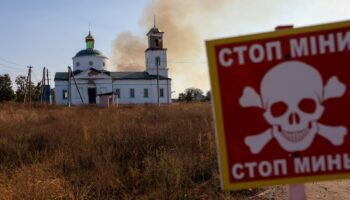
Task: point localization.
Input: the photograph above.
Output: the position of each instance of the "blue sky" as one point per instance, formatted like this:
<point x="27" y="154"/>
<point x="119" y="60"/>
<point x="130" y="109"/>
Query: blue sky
<point x="50" y="32"/>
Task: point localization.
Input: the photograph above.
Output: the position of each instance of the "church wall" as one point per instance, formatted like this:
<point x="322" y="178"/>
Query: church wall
<point x="97" y="63"/>
<point x="105" y="86"/>
<point x="83" y="89"/>
<point x="59" y="87"/>
<point x="139" y="85"/>
<point x="102" y="86"/>
<point x="151" y="66"/>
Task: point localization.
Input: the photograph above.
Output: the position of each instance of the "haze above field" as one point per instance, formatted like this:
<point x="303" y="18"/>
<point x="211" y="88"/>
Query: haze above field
<point x="49" y="33"/>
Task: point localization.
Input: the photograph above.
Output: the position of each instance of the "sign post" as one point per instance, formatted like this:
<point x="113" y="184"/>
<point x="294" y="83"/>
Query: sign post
<point x="296" y="192"/>
<point x="281" y="102"/>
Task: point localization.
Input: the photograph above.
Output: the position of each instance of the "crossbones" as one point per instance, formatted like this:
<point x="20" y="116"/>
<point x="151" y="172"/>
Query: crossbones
<point x="292" y="94"/>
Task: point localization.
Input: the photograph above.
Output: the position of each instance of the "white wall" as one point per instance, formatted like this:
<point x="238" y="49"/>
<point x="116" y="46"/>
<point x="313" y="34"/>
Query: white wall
<point x="84" y="63"/>
<point x="139" y="86"/>
<point x="105" y="85"/>
<point x="59" y="87"/>
<point x="151" y="66"/>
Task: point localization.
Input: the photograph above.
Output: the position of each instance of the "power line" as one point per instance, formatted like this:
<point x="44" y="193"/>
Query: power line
<point x="11" y="62"/>
<point x="12" y="68"/>
<point x="16" y="70"/>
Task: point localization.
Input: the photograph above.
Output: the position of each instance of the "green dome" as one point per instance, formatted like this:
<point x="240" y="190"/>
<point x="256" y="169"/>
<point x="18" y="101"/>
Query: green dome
<point x="89" y="52"/>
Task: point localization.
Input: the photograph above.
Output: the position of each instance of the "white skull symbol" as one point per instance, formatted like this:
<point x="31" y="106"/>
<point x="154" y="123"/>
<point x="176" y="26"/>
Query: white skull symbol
<point x="292" y="96"/>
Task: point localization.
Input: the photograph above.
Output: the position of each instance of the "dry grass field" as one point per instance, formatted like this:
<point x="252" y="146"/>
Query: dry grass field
<point x="130" y="152"/>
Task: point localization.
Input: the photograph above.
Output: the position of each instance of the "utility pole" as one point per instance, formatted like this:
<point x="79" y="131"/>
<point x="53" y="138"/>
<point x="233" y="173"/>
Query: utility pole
<point x="26" y="88"/>
<point x="42" y="99"/>
<point x="158" y="63"/>
<point x="28" y="84"/>
<point x="69" y="87"/>
<point x="48" y="83"/>
<point x="117" y="100"/>
<point x="47" y="76"/>
<point x="76" y="85"/>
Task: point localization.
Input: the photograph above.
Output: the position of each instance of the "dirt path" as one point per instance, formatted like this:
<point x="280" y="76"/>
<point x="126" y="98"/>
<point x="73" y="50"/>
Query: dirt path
<point x="332" y="190"/>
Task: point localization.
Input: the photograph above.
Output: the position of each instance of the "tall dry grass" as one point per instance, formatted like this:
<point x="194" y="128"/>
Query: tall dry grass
<point x="130" y="152"/>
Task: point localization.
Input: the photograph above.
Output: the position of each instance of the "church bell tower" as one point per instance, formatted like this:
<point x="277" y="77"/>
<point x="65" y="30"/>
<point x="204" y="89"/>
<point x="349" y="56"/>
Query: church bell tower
<point x="155" y="54"/>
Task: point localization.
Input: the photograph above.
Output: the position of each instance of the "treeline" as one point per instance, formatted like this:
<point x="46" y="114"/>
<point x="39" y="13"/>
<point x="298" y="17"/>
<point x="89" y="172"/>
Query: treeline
<point x="194" y="94"/>
<point x="7" y="93"/>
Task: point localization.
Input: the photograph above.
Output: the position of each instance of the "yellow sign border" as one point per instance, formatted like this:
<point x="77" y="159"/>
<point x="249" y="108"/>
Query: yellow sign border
<point x="217" y="108"/>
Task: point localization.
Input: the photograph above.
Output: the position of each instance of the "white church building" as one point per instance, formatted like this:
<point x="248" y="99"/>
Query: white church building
<point x="97" y="85"/>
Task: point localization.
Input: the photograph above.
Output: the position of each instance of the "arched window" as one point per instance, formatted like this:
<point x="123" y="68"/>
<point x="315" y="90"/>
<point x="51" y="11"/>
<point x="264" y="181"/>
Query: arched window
<point x="157" y="61"/>
<point x="157" y="42"/>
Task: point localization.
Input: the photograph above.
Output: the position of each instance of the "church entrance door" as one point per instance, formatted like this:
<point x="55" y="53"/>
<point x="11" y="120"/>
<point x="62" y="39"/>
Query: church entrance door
<point x="92" y="95"/>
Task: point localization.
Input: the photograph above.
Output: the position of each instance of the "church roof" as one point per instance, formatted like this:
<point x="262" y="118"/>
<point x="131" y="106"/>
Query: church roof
<point x="89" y="52"/>
<point x="89" y="37"/>
<point x="154" y="30"/>
<point x="62" y="76"/>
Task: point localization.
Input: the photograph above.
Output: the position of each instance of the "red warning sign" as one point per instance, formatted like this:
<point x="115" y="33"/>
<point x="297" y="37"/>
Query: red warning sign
<point x="282" y="105"/>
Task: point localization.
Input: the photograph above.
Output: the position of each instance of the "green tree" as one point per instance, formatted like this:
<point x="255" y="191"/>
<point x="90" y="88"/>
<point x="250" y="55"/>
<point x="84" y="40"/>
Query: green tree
<point x="191" y="94"/>
<point x="208" y="96"/>
<point x="182" y="97"/>
<point x="36" y="95"/>
<point x="6" y="91"/>
<point x="21" y="87"/>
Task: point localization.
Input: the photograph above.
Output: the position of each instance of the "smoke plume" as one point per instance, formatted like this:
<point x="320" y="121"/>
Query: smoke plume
<point x="128" y="52"/>
<point x="181" y="22"/>
<point x="188" y="23"/>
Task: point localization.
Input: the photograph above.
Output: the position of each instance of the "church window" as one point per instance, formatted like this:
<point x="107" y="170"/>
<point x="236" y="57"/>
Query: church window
<point x="117" y="92"/>
<point x="132" y="93"/>
<point x="64" y="94"/>
<point x="157" y="61"/>
<point x="91" y="63"/>
<point x="78" y="64"/>
<point x="104" y="64"/>
<point x="145" y="92"/>
<point x="161" y="92"/>
<point x="157" y="42"/>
